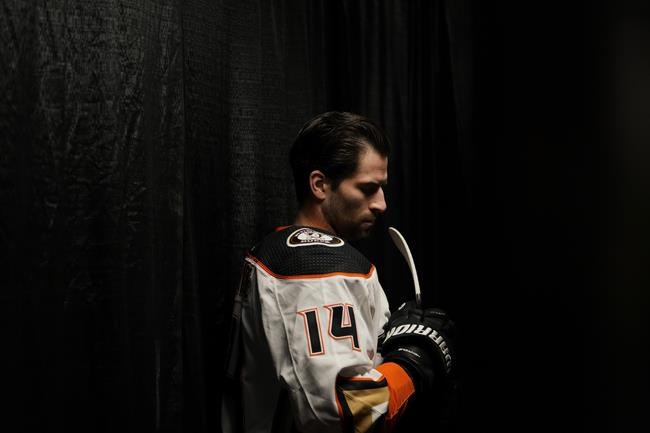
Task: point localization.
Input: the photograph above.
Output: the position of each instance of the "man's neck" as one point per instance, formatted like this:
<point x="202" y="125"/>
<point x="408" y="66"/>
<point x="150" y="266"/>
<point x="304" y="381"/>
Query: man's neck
<point x="313" y="217"/>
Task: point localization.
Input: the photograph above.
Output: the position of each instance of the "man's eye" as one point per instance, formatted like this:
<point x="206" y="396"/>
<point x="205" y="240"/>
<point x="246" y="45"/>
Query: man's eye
<point x="369" y="190"/>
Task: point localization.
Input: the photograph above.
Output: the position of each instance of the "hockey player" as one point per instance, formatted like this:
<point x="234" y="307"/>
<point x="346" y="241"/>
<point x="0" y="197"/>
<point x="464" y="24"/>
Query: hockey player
<point x="314" y="347"/>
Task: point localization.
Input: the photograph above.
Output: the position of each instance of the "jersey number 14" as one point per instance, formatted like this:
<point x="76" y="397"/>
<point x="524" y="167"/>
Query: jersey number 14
<point x="341" y="326"/>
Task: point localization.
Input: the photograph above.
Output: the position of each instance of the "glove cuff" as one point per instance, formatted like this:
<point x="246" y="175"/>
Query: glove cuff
<point x="417" y="364"/>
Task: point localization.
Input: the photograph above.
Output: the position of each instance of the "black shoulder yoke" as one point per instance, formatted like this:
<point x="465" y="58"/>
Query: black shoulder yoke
<point x="304" y="251"/>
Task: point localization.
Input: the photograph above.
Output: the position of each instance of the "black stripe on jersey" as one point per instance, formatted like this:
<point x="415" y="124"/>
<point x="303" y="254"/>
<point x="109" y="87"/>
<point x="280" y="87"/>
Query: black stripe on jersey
<point x="347" y="384"/>
<point x="347" y="420"/>
<point x="282" y="259"/>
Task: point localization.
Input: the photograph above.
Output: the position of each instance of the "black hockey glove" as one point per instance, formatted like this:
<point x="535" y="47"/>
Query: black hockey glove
<point x="419" y="341"/>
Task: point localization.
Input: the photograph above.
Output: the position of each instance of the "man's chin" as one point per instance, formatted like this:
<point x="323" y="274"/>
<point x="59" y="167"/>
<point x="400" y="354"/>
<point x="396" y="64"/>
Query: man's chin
<point x="358" y="232"/>
<point x="364" y="231"/>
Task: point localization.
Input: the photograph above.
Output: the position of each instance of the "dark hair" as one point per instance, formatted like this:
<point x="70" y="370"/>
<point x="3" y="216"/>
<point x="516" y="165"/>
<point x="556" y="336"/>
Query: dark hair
<point x="331" y="142"/>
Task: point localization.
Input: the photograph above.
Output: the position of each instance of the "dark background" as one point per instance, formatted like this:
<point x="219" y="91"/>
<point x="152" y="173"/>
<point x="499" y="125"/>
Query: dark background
<point x="143" y="149"/>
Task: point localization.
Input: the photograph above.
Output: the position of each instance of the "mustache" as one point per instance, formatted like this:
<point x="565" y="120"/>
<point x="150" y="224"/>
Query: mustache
<point x="370" y="219"/>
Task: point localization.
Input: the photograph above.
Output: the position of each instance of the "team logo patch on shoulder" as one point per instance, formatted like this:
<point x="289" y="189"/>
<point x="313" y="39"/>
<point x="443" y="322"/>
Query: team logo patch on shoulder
<point x="305" y="236"/>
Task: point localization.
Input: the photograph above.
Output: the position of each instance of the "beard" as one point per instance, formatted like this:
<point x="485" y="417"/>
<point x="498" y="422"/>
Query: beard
<point x="351" y="232"/>
<point x="350" y="218"/>
<point x="347" y="223"/>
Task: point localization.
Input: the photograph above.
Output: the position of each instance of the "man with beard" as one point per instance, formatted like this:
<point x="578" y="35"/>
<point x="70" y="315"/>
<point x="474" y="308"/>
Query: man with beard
<point x="313" y="345"/>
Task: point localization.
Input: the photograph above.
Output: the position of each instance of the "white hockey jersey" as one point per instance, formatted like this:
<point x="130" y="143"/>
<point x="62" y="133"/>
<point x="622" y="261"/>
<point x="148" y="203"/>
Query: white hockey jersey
<point x="303" y="350"/>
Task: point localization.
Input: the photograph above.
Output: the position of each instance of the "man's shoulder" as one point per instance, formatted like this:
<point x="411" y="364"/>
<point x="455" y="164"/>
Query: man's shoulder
<point x="299" y="251"/>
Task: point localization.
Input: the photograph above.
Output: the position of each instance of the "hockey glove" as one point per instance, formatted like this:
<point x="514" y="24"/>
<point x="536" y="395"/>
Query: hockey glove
<point x="419" y="341"/>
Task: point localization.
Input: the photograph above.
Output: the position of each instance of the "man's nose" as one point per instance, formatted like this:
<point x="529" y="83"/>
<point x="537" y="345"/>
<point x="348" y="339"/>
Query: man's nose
<point x="378" y="203"/>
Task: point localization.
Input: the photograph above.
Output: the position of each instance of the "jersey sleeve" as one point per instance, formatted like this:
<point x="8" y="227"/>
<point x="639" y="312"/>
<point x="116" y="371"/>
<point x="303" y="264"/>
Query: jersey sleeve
<point x="322" y="334"/>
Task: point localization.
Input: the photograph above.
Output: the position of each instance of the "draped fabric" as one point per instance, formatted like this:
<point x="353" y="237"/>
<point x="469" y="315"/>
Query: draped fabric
<point x="93" y="212"/>
<point x="144" y="149"/>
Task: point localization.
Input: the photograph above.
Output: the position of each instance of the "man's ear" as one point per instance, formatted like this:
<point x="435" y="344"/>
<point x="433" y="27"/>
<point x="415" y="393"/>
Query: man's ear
<point x="318" y="184"/>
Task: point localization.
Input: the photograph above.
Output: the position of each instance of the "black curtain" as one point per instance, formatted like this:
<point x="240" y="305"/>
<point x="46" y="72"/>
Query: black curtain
<point x="143" y="149"/>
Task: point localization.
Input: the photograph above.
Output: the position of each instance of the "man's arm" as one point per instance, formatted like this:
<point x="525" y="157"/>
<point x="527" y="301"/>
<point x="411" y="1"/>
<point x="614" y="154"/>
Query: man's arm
<point x="322" y="335"/>
<point x="418" y="360"/>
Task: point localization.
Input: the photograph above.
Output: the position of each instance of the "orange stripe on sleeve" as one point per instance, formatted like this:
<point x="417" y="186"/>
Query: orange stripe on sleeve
<point x="400" y="386"/>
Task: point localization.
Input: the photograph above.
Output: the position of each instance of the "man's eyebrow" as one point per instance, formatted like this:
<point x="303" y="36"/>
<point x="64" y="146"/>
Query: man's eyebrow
<point x="374" y="183"/>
